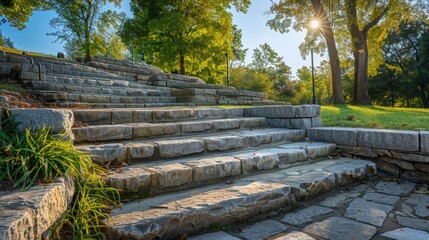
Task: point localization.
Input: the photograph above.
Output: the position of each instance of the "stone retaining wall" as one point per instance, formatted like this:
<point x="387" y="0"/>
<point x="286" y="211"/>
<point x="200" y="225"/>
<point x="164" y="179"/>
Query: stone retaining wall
<point x="401" y="154"/>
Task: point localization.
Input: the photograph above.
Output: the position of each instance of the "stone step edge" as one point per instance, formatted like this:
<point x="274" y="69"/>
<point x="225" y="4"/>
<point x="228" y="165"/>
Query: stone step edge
<point x="169" y="216"/>
<point x="128" y="131"/>
<point x="162" y="148"/>
<point x="97" y="116"/>
<point x="85" y="105"/>
<point x="164" y="176"/>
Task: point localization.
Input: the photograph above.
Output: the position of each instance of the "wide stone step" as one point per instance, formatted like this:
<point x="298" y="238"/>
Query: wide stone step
<point x="133" y="151"/>
<point x="86" y="105"/>
<point x="98" y="81"/>
<point x="114" y="116"/>
<point x="111" y="90"/>
<point x="162" y="176"/>
<point x="101" y="98"/>
<point x="171" y="215"/>
<point x="129" y="131"/>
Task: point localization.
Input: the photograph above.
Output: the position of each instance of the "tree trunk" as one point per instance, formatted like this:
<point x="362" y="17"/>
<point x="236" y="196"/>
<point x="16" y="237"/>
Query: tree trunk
<point x="182" y="64"/>
<point x="361" y="96"/>
<point x="334" y="60"/>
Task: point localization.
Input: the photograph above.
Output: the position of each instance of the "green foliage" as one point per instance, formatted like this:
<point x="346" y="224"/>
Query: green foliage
<point x="5" y="41"/>
<point x="30" y="158"/>
<point x="375" y="117"/>
<point x="18" y="12"/>
<point x="186" y="36"/>
<point x="87" y="29"/>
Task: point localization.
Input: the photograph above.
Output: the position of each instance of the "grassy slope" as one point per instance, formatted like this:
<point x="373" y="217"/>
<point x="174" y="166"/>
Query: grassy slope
<point x="375" y="117"/>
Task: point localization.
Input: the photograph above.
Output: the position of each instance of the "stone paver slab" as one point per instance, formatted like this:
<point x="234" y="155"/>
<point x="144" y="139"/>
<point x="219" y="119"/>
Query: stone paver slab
<point x="413" y="223"/>
<point x="394" y="188"/>
<point x="406" y="234"/>
<point x="381" y="198"/>
<point x="214" y="236"/>
<point x="306" y="215"/>
<point x="369" y="212"/>
<point x="339" y="200"/>
<point x="336" y="228"/>
<point x="420" y="202"/>
<point x="212" y="168"/>
<point x="389" y="139"/>
<point x="294" y="236"/>
<point x="262" y="230"/>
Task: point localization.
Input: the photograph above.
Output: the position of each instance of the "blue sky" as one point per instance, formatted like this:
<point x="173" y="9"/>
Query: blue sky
<point x="253" y="25"/>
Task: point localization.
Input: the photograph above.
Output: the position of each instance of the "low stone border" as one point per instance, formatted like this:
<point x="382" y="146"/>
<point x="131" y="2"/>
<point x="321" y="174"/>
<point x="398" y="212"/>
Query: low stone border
<point x="29" y="214"/>
<point x="400" y="154"/>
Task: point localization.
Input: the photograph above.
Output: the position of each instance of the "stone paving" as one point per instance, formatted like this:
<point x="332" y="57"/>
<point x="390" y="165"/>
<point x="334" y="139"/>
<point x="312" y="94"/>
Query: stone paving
<point x="380" y="209"/>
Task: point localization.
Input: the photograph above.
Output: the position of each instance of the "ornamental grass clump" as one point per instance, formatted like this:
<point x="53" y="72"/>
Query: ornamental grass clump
<point x="38" y="157"/>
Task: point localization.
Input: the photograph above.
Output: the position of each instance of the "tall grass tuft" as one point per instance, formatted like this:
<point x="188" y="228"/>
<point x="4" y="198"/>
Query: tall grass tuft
<point x="28" y="159"/>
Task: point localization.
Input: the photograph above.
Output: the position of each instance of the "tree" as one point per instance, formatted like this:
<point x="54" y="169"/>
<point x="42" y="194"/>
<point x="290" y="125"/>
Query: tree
<point x="18" y="12"/>
<point x="423" y="67"/>
<point x="238" y="50"/>
<point x="177" y="31"/>
<point x="79" y="21"/>
<point x="5" y="41"/>
<point x="302" y="12"/>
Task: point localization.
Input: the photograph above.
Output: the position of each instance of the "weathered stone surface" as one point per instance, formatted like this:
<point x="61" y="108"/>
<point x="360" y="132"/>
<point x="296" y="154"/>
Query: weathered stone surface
<point x="306" y="215"/>
<point x="224" y="143"/>
<point x="305" y="111"/>
<point x="389" y="139"/>
<point x="415" y="176"/>
<point x="271" y="112"/>
<point x="350" y="170"/>
<point x="415" y="223"/>
<point x="213" y="168"/>
<point x="131" y="180"/>
<point x="256" y="139"/>
<point x="314" y="149"/>
<point x="225" y="124"/>
<point x="340" y="136"/>
<point x="381" y="198"/>
<point x="301" y="123"/>
<point x="410" y="157"/>
<point x="424" y="141"/>
<point x="122" y="117"/>
<point x="290" y="155"/>
<point x="171" y="175"/>
<point x="339" y="200"/>
<point x="394" y="188"/>
<point x="173" y="115"/>
<point x="175" y="148"/>
<point x="214" y="235"/>
<point x="153" y="130"/>
<point x="279" y="122"/>
<point x="294" y="236"/>
<point x="369" y="212"/>
<point x="102" y="133"/>
<point x="391" y="170"/>
<point x="196" y="127"/>
<point x="142" y="116"/>
<point x="258" y="161"/>
<point x="174" y="214"/>
<point x="406" y="234"/>
<point x="262" y="230"/>
<point x="59" y="119"/>
<point x="115" y="152"/>
<point x="140" y="150"/>
<point x="253" y="123"/>
<point x="399" y="163"/>
<point x="28" y="214"/>
<point x="92" y="117"/>
<point x="359" y="151"/>
<point x="336" y="228"/>
<point x="422" y="167"/>
<point x="420" y="203"/>
<point x="294" y="135"/>
<point x="316" y="122"/>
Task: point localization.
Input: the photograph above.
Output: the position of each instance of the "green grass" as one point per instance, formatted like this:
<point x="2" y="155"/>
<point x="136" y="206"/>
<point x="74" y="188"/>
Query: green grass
<point x="13" y="88"/>
<point x="375" y="117"/>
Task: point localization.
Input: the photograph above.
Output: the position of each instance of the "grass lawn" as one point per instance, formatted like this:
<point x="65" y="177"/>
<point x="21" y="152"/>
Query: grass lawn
<point x="375" y="117"/>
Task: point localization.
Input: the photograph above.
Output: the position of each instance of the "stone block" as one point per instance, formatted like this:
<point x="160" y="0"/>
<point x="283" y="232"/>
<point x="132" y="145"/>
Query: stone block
<point x="214" y="235"/>
<point x="307" y="111"/>
<point x="224" y="143"/>
<point x="192" y="127"/>
<point x="115" y="152"/>
<point x="389" y="139"/>
<point x="300" y="123"/>
<point x="140" y="150"/>
<point x="340" y="136"/>
<point x="424" y="141"/>
<point x="122" y="117"/>
<point x="305" y="215"/>
<point x="255" y="139"/>
<point x="410" y="157"/>
<point x="154" y="130"/>
<point x="415" y="176"/>
<point x="225" y="124"/>
<point x="176" y="148"/>
<point x="394" y="188"/>
<point x="359" y="151"/>
<point x="253" y="123"/>
<point x="316" y="122"/>
<point x="424" y="167"/>
<point x="263" y="230"/>
<point x="279" y="122"/>
<point x="271" y="112"/>
<point x="294" y="135"/>
<point x="142" y="116"/>
<point x="60" y="121"/>
<point x="406" y="233"/>
<point x="368" y="212"/>
<point x="215" y="168"/>
<point x="102" y="133"/>
<point x="174" y="115"/>
<point x="258" y="161"/>
<point x="135" y="180"/>
<point x="171" y="175"/>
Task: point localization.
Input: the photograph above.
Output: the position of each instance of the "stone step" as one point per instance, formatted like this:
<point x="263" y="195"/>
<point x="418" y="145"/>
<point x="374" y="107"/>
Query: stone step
<point x="171" y="215"/>
<point x="66" y="104"/>
<point x="172" y="175"/>
<point x="97" y="81"/>
<point x="50" y="96"/>
<point x="129" y="131"/>
<point x="156" y="149"/>
<point x="114" y="116"/>
<point x="111" y="90"/>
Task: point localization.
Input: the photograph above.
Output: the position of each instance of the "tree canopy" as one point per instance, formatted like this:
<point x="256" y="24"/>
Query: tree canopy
<point x="18" y="12"/>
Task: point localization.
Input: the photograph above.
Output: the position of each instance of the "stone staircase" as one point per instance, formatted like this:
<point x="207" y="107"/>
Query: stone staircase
<point x="112" y="83"/>
<point x="185" y="170"/>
